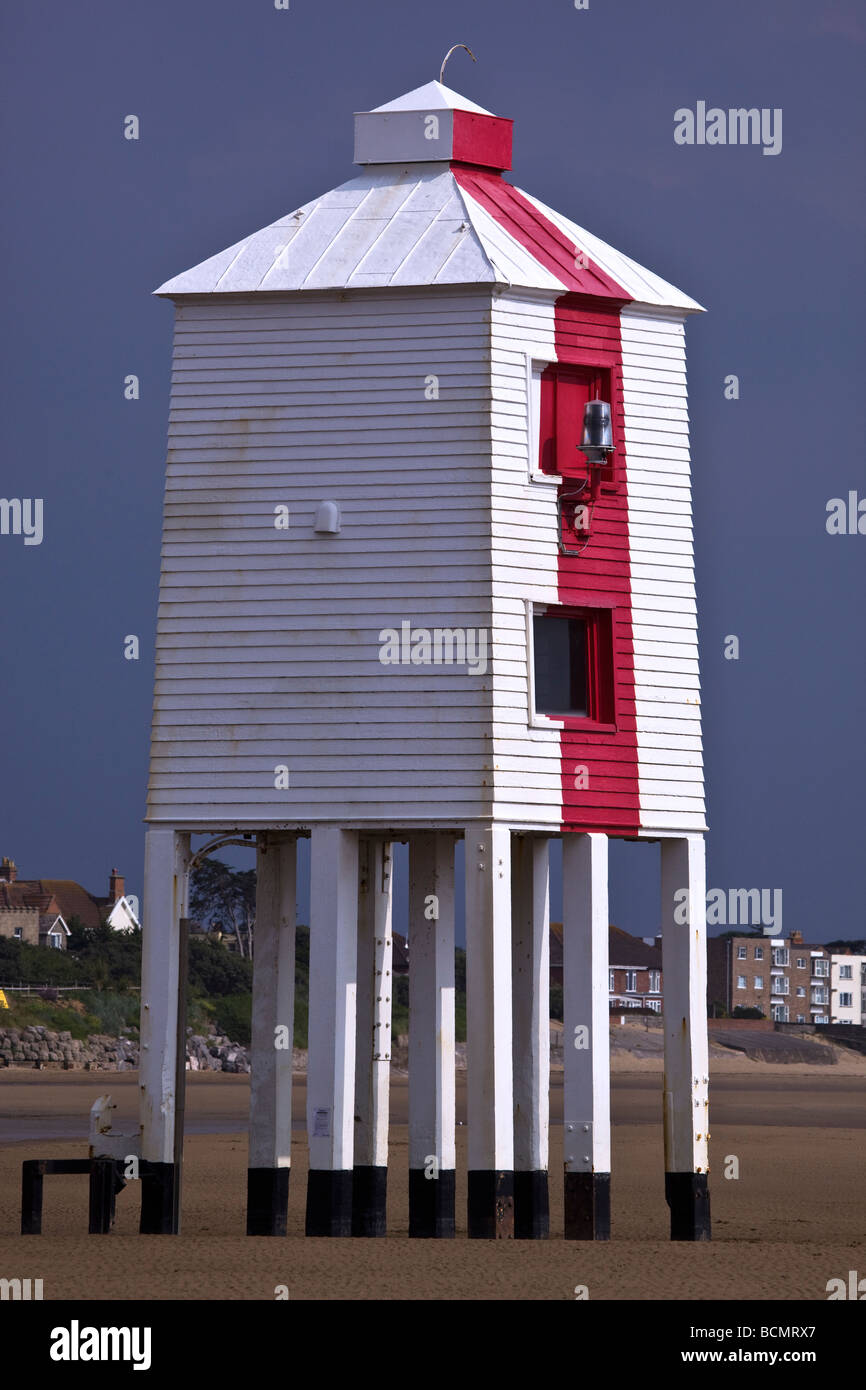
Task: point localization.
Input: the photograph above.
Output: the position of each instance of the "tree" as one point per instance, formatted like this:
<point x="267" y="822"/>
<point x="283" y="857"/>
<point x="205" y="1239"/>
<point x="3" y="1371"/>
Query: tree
<point x="225" y="897"/>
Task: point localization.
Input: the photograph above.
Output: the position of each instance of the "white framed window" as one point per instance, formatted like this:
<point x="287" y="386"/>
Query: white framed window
<point x="611" y="981"/>
<point x="17" y="933"/>
<point x="846" y="972"/>
<point x="655" y="981"/>
<point x="846" y="1001"/>
<point x="631" y="981"/>
<point x="801" y="1018"/>
<point x="779" y="1013"/>
<point x="780" y="955"/>
<point x="534" y="369"/>
<point x="801" y="991"/>
<point x="742" y="952"/>
<point x="820" y="969"/>
<point x="801" y="963"/>
<point x="741" y="982"/>
<point x="759" y="953"/>
<point x="759" y="982"/>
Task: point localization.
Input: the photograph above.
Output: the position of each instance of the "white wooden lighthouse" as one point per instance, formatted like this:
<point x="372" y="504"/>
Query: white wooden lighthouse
<point x="427" y="575"/>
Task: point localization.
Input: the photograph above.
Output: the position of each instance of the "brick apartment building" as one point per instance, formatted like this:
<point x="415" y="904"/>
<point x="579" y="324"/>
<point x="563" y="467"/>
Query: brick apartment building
<point x="634" y="973"/>
<point x="784" y="977"/>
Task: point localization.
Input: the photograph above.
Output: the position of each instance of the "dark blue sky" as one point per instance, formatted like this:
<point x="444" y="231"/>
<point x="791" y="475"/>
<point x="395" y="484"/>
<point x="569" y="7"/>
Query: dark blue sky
<point x="246" y="112"/>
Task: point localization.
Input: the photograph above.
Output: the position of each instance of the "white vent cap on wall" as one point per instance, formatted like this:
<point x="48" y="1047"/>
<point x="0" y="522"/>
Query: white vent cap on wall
<point x="327" y="519"/>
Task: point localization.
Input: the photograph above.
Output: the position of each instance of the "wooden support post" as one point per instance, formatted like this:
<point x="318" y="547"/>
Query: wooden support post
<point x="331" y="1062"/>
<point x="488" y="1032"/>
<point x="166" y="861"/>
<point x="432" y="1151"/>
<point x="273" y="1026"/>
<point x="686" y="1093"/>
<point x="373" y="1042"/>
<point x="586" y="1036"/>
<point x="530" y="953"/>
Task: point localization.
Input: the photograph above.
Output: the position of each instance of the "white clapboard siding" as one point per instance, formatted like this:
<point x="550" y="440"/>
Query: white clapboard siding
<point x="667" y="683"/>
<point x="268" y="640"/>
<point x="527" y="766"/>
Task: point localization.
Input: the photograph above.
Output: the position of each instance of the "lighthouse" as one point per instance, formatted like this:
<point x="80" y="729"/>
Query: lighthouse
<point x="427" y="576"/>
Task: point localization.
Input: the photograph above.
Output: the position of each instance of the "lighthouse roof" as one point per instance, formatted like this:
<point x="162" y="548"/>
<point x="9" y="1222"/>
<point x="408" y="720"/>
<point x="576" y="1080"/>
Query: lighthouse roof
<point x="405" y="222"/>
<point x="433" y="96"/>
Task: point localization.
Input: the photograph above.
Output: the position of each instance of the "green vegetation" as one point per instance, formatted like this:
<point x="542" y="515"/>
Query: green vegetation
<point x="28" y="1010"/>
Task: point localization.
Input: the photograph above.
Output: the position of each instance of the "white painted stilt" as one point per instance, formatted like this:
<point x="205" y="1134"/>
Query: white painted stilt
<point x="373" y="1044"/>
<point x="331" y="1060"/>
<point x="686" y="1095"/>
<point x="530" y="952"/>
<point x="273" y="1015"/>
<point x="432" y="1153"/>
<point x="586" y="1036"/>
<point x="166" y="862"/>
<point x="489" y="1032"/>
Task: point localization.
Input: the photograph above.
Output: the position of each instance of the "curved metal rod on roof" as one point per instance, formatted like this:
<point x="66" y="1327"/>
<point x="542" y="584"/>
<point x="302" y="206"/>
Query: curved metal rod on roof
<point x="454" y="50"/>
<point x="218" y="844"/>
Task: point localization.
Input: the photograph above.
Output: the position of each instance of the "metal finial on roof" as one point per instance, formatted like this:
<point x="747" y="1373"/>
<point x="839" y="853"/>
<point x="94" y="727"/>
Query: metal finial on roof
<point x="451" y="50"/>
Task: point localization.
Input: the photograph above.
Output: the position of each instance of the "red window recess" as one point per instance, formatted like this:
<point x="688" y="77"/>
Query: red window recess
<point x="600" y="686"/>
<point x="565" y="390"/>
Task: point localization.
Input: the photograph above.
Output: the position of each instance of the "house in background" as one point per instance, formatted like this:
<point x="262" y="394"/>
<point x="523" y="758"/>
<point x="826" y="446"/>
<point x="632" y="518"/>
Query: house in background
<point x="634" y="969"/>
<point x="37" y="911"/>
<point x="847" y="988"/>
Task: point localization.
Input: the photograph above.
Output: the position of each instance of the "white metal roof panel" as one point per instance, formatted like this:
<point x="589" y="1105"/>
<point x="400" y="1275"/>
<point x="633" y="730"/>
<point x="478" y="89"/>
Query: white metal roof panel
<point x="433" y="96"/>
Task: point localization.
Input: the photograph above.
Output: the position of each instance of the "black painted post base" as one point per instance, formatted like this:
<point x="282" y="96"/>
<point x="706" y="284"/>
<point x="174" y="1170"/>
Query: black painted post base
<point x="329" y="1202"/>
<point x="587" y="1206"/>
<point x="369" y="1200"/>
<point x="687" y="1195"/>
<point x="267" y="1201"/>
<point x="531" y="1206"/>
<point x="159" y="1216"/>
<point x="432" y="1204"/>
<point x="491" y="1205"/>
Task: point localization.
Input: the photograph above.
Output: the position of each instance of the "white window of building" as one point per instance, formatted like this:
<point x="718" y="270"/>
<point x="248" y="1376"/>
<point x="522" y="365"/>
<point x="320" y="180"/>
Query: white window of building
<point x="759" y="953"/>
<point x="846" y="1001"/>
<point x="821" y="968"/>
<point x="779" y="1013"/>
<point x="780" y="955"/>
<point x="655" y="981"/>
<point x="759" y="982"/>
<point x="742" y="952"/>
<point x="611" y="981"/>
<point x="17" y="933"/>
<point x="631" y="981"/>
<point x="741" y="982"/>
<point x="801" y="962"/>
<point x="801" y="991"/>
<point x="801" y="1018"/>
<point x="846" y="972"/>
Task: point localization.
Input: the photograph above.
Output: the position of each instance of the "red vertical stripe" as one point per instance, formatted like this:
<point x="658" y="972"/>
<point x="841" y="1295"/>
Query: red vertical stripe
<point x="587" y="333"/>
<point x="601" y="577"/>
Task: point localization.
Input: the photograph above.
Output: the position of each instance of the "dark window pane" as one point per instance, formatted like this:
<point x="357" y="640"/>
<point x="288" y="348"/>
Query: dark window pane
<point x="560" y="665"/>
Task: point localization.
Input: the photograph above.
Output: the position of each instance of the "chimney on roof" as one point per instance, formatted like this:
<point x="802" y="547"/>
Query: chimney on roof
<point x="796" y="938"/>
<point x="8" y="870"/>
<point x="116" y="886"/>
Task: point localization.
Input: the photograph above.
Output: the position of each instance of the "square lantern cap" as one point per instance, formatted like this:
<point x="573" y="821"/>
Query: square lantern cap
<point x="432" y="124"/>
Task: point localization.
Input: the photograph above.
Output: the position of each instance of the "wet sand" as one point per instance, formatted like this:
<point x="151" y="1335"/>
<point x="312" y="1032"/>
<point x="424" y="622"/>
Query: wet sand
<point x="794" y="1218"/>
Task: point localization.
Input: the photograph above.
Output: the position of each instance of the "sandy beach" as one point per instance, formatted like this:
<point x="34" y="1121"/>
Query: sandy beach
<point x="794" y="1218"/>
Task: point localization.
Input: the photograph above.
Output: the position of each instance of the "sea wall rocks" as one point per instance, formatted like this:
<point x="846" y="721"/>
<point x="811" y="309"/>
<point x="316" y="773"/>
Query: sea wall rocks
<point x="38" y="1047"/>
